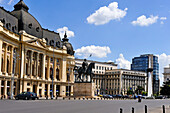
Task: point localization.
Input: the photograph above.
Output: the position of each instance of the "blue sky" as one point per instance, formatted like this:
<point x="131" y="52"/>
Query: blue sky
<point x="117" y="39"/>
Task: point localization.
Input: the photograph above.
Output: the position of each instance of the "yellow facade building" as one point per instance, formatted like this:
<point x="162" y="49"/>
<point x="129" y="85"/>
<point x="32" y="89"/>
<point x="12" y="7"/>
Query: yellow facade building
<point x="30" y="53"/>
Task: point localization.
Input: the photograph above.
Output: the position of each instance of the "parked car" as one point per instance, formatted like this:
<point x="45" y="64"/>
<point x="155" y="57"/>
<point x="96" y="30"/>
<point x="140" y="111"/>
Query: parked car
<point x="100" y="95"/>
<point x="160" y="97"/>
<point x="126" y="96"/>
<point x="26" y="96"/>
<point x="150" y="97"/>
<point x="107" y="96"/>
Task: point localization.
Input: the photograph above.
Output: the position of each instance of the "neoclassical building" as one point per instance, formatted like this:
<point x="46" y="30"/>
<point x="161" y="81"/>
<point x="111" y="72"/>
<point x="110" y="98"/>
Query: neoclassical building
<point x="32" y="56"/>
<point x="118" y="81"/>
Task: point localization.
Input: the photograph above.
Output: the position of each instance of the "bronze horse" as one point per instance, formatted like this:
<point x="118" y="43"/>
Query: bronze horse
<point x="86" y="72"/>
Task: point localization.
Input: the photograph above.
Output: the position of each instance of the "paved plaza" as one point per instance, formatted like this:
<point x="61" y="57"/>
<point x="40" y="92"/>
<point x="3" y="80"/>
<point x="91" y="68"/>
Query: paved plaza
<point x="81" y="106"/>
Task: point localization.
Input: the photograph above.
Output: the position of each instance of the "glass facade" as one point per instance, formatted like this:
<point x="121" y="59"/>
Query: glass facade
<point x="142" y="64"/>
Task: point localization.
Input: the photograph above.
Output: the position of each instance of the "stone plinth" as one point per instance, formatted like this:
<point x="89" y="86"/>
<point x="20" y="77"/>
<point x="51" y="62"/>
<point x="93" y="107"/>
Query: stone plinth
<point x="84" y="89"/>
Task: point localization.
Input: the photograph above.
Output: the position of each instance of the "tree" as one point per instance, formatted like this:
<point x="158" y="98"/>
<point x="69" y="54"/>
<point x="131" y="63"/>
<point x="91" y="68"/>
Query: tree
<point x="165" y="90"/>
<point x="139" y="90"/>
<point x="129" y="91"/>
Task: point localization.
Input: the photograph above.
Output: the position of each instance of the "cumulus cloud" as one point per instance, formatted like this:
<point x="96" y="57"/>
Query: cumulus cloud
<point x="164" y="61"/>
<point x="122" y="62"/>
<point x="105" y="14"/>
<point x="62" y="31"/>
<point x="144" y="21"/>
<point x="163" y="19"/>
<point x="94" y="51"/>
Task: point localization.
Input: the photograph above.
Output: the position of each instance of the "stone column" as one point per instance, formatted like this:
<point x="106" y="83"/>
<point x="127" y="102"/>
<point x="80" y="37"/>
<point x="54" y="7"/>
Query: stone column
<point x="72" y="88"/>
<point x="25" y="86"/>
<point x="48" y="68"/>
<point x="43" y="67"/>
<point x="38" y="89"/>
<point x="72" y="75"/>
<point x="60" y="70"/>
<point x="43" y="90"/>
<point x="48" y="90"/>
<point x="62" y="91"/>
<point x="22" y="63"/>
<point x="54" y="74"/>
<point x="5" y="59"/>
<point x="20" y="84"/>
<point x="5" y="88"/>
<point x="11" y="60"/>
<point x="37" y="64"/>
<point x="1" y="43"/>
<point x="31" y="63"/>
<point x="63" y="68"/>
<point x="54" y="90"/>
<point x="25" y="59"/>
<point x="16" y="88"/>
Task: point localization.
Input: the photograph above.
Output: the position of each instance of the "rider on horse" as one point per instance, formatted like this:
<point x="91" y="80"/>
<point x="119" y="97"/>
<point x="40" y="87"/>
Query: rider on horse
<point x="84" y="65"/>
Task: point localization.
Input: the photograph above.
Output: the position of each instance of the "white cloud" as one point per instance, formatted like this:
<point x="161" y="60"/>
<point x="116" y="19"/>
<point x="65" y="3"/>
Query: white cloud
<point x="164" y="61"/>
<point x="96" y="51"/>
<point x="62" y="31"/>
<point x="105" y="14"/>
<point x="163" y="19"/>
<point x="143" y="21"/>
<point x="122" y="62"/>
<point x="162" y="22"/>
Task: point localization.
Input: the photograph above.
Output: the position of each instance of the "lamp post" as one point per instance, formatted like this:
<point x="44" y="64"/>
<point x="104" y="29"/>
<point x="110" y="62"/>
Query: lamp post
<point x="13" y="72"/>
<point x="53" y="74"/>
<point x="69" y="76"/>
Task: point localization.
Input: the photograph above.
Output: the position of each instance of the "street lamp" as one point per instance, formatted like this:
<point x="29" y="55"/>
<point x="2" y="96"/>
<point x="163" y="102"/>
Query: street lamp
<point x="53" y="73"/>
<point x="13" y="72"/>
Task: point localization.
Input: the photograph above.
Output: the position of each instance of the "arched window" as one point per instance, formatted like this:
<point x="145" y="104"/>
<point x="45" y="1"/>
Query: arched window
<point x="2" y="64"/>
<point x="30" y="25"/>
<point x="58" y="44"/>
<point x="14" y="28"/>
<point x="46" y="41"/>
<point x="46" y="73"/>
<point x="7" y="68"/>
<point x="52" y="43"/>
<point x="57" y="74"/>
<point x="26" y="68"/>
<point x="8" y="26"/>
<point x="37" y="29"/>
<point x="51" y="73"/>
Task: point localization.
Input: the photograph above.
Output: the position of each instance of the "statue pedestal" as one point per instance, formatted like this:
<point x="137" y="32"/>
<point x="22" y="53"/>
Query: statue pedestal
<point x="84" y="89"/>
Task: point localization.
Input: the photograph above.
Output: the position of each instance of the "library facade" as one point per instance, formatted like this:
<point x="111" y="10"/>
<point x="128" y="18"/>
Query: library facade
<point x="33" y="58"/>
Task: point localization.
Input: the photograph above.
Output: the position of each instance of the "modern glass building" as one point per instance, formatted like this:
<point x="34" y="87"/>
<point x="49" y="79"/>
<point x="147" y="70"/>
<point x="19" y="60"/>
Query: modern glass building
<point x="145" y="62"/>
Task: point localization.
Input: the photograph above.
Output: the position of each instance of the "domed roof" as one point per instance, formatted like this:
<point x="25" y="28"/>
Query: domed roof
<point x="21" y="5"/>
<point x="68" y="45"/>
<point x="26" y="21"/>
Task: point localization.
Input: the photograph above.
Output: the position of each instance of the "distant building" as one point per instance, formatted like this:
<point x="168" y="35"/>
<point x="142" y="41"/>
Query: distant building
<point x="118" y="81"/>
<point x="145" y="62"/>
<point x="99" y="72"/>
<point x="166" y="73"/>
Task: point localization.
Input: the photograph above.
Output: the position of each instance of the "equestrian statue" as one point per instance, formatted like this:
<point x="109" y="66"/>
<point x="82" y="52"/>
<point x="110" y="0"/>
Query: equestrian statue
<point x="82" y="73"/>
